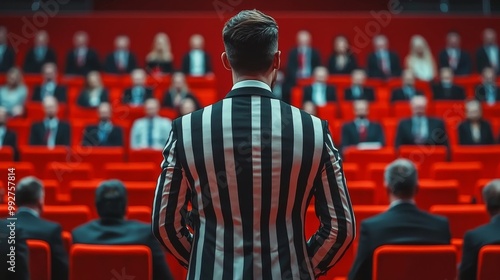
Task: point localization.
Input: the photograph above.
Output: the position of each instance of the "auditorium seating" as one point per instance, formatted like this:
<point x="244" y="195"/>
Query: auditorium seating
<point x="467" y="173"/>
<point x="69" y="217"/>
<point x="140" y="213"/>
<point x="6" y="154"/>
<point x="40" y="157"/>
<point x="424" y="157"/>
<point x="144" y="171"/>
<point x="362" y="192"/>
<point x="462" y="217"/>
<point x="436" y="192"/>
<point x="489" y="258"/>
<point x="39" y="260"/>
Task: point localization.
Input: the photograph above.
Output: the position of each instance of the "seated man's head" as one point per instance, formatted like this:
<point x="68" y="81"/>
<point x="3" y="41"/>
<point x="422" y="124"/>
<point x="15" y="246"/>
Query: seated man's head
<point x="380" y="43"/>
<point x="50" y="106"/>
<point x="400" y="179"/>
<point x="473" y="110"/>
<point x="361" y="108"/>
<point x="151" y="107"/>
<point x="30" y="193"/>
<point x="111" y="200"/>
<point x="3" y="116"/>
<point x="418" y="105"/>
<point x="188" y="105"/>
<point x="178" y="83"/>
<point x="104" y="111"/>
<point x="138" y="77"/>
<point x="80" y="39"/>
<point x="320" y="74"/>
<point x="488" y="76"/>
<point x="491" y="196"/>
<point x="49" y="72"/>
<point x="446" y="75"/>
<point x="408" y="77"/>
<point x="94" y="80"/>
<point x="122" y="43"/>
<point x="358" y="77"/>
<point x="196" y="42"/>
<point x="303" y="38"/>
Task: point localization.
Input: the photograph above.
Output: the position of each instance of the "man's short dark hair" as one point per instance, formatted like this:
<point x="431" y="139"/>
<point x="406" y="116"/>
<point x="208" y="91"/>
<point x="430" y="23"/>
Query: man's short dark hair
<point x="401" y="178"/>
<point x="29" y="191"/>
<point x="250" y="40"/>
<point x="491" y="196"/>
<point x="111" y="199"/>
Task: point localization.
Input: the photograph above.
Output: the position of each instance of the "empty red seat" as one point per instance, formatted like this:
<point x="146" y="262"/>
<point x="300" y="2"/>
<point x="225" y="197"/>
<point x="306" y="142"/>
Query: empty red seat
<point x="65" y="172"/>
<point x="145" y="155"/>
<point x="424" y="156"/>
<point x="6" y="154"/>
<point x="436" y="192"/>
<point x="362" y="192"/>
<point x="144" y="171"/>
<point x="488" y="155"/>
<point x="478" y="190"/>
<point x="34" y="111"/>
<point x="354" y="155"/>
<point x="67" y="240"/>
<point x="448" y="109"/>
<point x="491" y="111"/>
<point x="351" y="171"/>
<point x="169" y="113"/>
<point x="100" y="156"/>
<point x="39" y="260"/>
<point x="401" y="109"/>
<point x="328" y="112"/>
<point x="41" y="156"/>
<point x="467" y="173"/>
<point x="20" y="169"/>
<point x="22" y="129"/>
<point x="140" y="213"/>
<point x="206" y="96"/>
<point x="489" y="258"/>
<point x="69" y="217"/>
<point x="462" y="217"/>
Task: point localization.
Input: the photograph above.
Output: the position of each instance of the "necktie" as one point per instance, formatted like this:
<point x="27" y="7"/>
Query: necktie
<point x="48" y="135"/>
<point x="476" y="132"/>
<point x="452" y="58"/>
<point x="408" y="92"/>
<point x="493" y="56"/>
<point x="80" y="58"/>
<point x="102" y="134"/>
<point x="121" y="61"/>
<point x="150" y="133"/>
<point x="319" y="96"/>
<point x="302" y="62"/>
<point x="363" y="133"/>
<point x="490" y="94"/>
<point x="419" y="137"/>
<point x="39" y="53"/>
<point x="356" y="92"/>
<point x="137" y="95"/>
<point x="384" y="63"/>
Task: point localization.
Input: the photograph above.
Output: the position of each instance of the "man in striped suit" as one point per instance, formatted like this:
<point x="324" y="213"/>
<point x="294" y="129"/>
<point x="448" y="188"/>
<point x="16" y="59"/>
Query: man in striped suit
<point x="249" y="166"/>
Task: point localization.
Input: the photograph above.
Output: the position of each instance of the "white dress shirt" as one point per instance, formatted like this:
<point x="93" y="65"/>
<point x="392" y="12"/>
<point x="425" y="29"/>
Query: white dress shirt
<point x="251" y="83"/>
<point x="51" y="125"/>
<point x="160" y="133"/>
<point x="3" y="131"/>
<point x="319" y="94"/>
<point x="197" y="63"/>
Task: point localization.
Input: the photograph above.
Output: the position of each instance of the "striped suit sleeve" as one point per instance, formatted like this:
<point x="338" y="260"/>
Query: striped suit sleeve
<point x="334" y="210"/>
<point x="170" y="204"/>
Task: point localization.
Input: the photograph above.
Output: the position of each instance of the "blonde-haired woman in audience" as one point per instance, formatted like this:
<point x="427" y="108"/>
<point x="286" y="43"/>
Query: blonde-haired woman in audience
<point x="420" y="60"/>
<point x="160" y="58"/>
<point x="14" y="93"/>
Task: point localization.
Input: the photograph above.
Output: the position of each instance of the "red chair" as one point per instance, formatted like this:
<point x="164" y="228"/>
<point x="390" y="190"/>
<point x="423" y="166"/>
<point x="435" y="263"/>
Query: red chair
<point x="110" y="261"/>
<point x="41" y="156"/>
<point x="351" y="171"/>
<point x="448" y="110"/>
<point x="424" y="157"/>
<point x="67" y="240"/>
<point x="99" y="156"/>
<point x="377" y="110"/>
<point x="414" y="262"/>
<point x="145" y="155"/>
<point x="51" y="191"/>
<point x="384" y="155"/>
<point x="362" y="192"/>
<point x="462" y="217"/>
<point x="65" y="172"/>
<point x="328" y="112"/>
<point x="491" y="111"/>
<point x="432" y="192"/>
<point x="39" y="260"/>
<point x="489" y="258"/>
<point x="375" y="172"/>
<point x="21" y="169"/>
<point x="206" y="96"/>
<point x="69" y="217"/>
<point x="22" y="128"/>
<point x="478" y="189"/>
<point x="168" y="113"/>
<point x="467" y="173"/>
<point x="177" y="271"/>
<point x="296" y="97"/>
<point x="6" y="154"/>
<point x="458" y="244"/>
<point x="143" y="171"/>
<point x="140" y="213"/>
<point x="401" y="109"/>
<point x="488" y="155"/>
<point x="390" y="126"/>
<point x="35" y="112"/>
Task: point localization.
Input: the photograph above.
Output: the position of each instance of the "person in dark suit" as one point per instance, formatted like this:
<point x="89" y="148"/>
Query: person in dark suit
<point x="342" y="61"/>
<point x="120" y="61"/>
<point x="177" y="92"/>
<point x="488" y="91"/>
<point x="104" y="133"/>
<point x="40" y="54"/>
<point x="17" y="269"/>
<point x="30" y="200"/>
<point x="488" y="55"/>
<point x="361" y="129"/>
<point x="455" y="57"/>
<point x="446" y="89"/>
<point x="197" y="61"/>
<point x="484" y="235"/>
<point x="302" y="59"/>
<point x="403" y="223"/>
<point x="420" y="129"/>
<point x="407" y="89"/>
<point x="357" y="90"/>
<point x="49" y="86"/>
<point x="111" y="228"/>
<point x="51" y="131"/>
<point x="474" y="130"/>
<point x="81" y="59"/>
<point x="231" y="138"/>
<point x="7" y="55"/>
<point x="319" y="92"/>
<point x="160" y="58"/>
<point x="138" y="93"/>
<point x="383" y="63"/>
<point x="94" y="92"/>
<point x="7" y="137"/>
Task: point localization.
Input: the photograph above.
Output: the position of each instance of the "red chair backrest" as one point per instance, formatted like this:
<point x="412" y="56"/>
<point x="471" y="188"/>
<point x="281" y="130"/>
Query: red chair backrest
<point x="462" y="217"/>
<point x="68" y="216"/>
<point x="39" y="260"/>
<point x="488" y="262"/>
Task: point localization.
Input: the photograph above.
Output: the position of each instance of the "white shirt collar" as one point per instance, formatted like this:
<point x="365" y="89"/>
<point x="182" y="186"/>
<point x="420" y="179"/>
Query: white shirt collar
<point x="251" y="83"/>
<point x="28" y="210"/>
<point x="401" y="201"/>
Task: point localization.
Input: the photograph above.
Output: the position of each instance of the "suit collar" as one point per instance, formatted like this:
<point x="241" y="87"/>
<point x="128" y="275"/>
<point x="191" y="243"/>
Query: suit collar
<point x="250" y="91"/>
<point x="495" y="219"/>
<point x="403" y="206"/>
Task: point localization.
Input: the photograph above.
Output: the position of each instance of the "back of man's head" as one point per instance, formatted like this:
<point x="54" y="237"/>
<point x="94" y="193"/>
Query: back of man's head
<point x="111" y="199"/>
<point x="491" y="196"/>
<point x="401" y="179"/>
<point x="29" y="193"/>
<point x="250" y="41"/>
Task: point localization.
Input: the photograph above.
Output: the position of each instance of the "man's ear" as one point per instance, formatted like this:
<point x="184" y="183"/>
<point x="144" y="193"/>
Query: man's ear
<point x="225" y="61"/>
<point x="277" y="60"/>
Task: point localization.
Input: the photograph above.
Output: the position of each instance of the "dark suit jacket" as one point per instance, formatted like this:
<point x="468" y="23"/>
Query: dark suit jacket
<point x="123" y="232"/>
<point x="83" y="98"/>
<point x="37" y="134"/>
<point x="111" y="67"/>
<point x="348" y="67"/>
<point x="127" y="95"/>
<point x="293" y="64"/>
<point x="401" y="224"/>
<point x="31" y="65"/>
<point x="480" y="93"/>
<point x="186" y="63"/>
<point x="331" y="94"/>
<point x="435" y="136"/>
<point x="40" y="229"/>
<point x="453" y="93"/>
<point x="399" y="95"/>
<point x="10" y="139"/>
<point x="464" y="66"/>
<point x="59" y="93"/>
<point x="465" y="134"/>
<point x="91" y="138"/>
<point x="8" y="60"/>
<point x="474" y="240"/>
<point x="21" y="253"/>
<point x="482" y="60"/>
<point x="375" y="71"/>
<point x="350" y="134"/>
<point x="91" y="63"/>
<point x="367" y="94"/>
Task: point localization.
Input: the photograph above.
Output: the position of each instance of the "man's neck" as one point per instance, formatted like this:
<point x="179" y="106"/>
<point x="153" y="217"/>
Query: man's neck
<point x="262" y="78"/>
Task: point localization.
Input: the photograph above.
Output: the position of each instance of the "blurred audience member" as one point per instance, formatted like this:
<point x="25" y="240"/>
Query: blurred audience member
<point x="383" y="63"/>
<point x="278" y="87"/>
<point x="152" y="131"/>
<point x="361" y="130"/>
<point x="488" y="91"/>
<point x="309" y="108"/>
<point x="197" y="61"/>
<point x="454" y="57"/>
<point x="160" y="58"/>
<point x="420" y="59"/>
<point x="188" y="105"/>
<point x="319" y="92"/>
<point x="121" y="60"/>
<point x="474" y="130"/>
<point x="407" y="89"/>
<point x="7" y="55"/>
<point x="484" y="235"/>
<point x="30" y="196"/>
<point x="94" y="92"/>
<point x="14" y="93"/>
<point x="446" y="89"/>
<point x="302" y="59"/>
<point x="51" y="131"/>
<point x="40" y="54"/>
<point x="81" y="59"/>
<point x="49" y="86"/>
<point x="21" y="271"/>
<point x="177" y="92"/>
<point x="421" y="129"/>
<point x="138" y="93"/>
<point x="402" y="223"/>
<point x="342" y="61"/>
<point x="7" y="137"/>
<point x="358" y="90"/>
<point x="104" y="133"/>
<point x="488" y="54"/>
